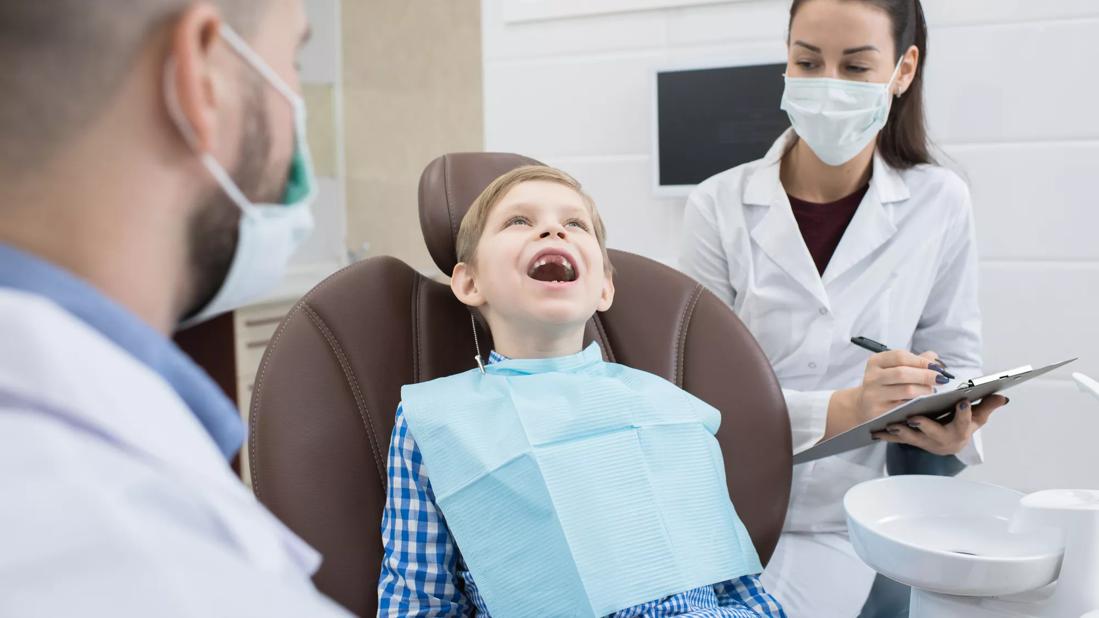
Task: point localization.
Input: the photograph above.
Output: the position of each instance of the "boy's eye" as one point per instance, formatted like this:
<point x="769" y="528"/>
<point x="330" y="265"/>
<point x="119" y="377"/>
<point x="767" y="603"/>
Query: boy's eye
<point x="577" y="223"/>
<point x="518" y="220"/>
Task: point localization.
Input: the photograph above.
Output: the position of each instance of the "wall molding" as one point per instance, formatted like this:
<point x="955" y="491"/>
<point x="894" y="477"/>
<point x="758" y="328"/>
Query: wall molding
<point x="516" y="11"/>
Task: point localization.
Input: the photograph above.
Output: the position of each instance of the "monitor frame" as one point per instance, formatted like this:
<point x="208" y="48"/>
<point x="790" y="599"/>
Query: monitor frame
<point x="725" y="61"/>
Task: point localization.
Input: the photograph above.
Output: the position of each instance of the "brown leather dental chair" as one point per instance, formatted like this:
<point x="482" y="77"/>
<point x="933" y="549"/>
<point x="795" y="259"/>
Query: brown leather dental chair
<point x="330" y="381"/>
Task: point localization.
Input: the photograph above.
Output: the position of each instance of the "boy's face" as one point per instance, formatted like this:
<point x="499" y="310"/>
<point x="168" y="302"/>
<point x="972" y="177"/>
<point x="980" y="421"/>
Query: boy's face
<point x="538" y="263"/>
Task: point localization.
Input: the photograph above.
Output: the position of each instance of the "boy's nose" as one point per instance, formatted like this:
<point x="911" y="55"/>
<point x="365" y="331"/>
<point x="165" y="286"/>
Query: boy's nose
<point x="551" y="228"/>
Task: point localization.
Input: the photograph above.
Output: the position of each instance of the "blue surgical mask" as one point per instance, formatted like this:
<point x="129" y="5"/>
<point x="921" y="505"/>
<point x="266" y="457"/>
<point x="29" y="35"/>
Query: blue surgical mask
<point x="269" y="234"/>
<point x="837" y="118"/>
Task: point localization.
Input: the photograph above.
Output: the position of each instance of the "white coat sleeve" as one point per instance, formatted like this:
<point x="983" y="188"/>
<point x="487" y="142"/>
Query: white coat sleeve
<point x="702" y="255"/>
<point x="808" y="416"/>
<point x="705" y="258"/>
<point x="950" y="323"/>
<point x="77" y="542"/>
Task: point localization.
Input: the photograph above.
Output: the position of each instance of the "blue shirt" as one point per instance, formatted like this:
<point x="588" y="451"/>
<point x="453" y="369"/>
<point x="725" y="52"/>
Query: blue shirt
<point x="423" y="573"/>
<point x="217" y="414"/>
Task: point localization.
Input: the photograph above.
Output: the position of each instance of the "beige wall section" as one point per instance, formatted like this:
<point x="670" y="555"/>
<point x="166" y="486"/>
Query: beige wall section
<point x="321" y="130"/>
<point x="412" y="91"/>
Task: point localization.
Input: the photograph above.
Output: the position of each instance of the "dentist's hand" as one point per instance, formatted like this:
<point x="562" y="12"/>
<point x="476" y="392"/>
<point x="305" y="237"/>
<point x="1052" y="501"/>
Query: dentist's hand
<point x="895" y="377"/>
<point x="949" y="439"/>
<point x="891" y="378"/>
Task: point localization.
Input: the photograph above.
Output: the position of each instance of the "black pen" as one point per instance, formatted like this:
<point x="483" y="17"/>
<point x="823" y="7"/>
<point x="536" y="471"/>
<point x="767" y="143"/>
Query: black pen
<point x="877" y="348"/>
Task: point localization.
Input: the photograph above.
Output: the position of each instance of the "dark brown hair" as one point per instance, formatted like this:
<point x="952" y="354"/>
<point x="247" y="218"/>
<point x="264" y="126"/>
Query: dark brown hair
<point x="903" y="143"/>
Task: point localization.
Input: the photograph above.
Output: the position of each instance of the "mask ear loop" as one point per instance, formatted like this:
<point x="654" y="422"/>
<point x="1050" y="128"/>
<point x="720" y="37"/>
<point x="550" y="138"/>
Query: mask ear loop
<point x="476" y="344"/>
<point x="896" y="74"/>
<point x="175" y="112"/>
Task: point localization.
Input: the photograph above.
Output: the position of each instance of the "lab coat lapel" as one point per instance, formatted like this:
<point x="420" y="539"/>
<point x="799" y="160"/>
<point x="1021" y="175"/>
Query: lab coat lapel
<point x="777" y="233"/>
<point x="872" y="226"/>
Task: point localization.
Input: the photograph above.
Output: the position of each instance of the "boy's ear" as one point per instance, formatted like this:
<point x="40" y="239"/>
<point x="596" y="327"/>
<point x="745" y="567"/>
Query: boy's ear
<point x="606" y="299"/>
<point x="464" y="286"/>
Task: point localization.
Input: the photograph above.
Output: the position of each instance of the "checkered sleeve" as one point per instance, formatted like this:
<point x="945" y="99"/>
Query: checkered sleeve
<point x="748" y="591"/>
<point x="419" y="566"/>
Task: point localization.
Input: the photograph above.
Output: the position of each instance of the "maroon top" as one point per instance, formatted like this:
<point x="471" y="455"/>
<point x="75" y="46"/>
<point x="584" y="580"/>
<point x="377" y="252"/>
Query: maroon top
<point x="822" y="225"/>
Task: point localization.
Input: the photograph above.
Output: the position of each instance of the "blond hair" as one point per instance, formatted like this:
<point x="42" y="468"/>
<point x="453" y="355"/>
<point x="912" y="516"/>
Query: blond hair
<point x="475" y="220"/>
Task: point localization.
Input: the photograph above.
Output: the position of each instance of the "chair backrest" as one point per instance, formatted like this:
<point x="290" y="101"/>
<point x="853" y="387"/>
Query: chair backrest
<point x="329" y="384"/>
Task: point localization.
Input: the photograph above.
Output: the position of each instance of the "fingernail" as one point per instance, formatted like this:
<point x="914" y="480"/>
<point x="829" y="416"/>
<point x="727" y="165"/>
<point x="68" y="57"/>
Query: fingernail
<point x="941" y="363"/>
<point x="941" y="379"/>
<point x="1007" y="400"/>
<point x="893" y="430"/>
<point x="940" y="369"/>
<point x="964" y="405"/>
<point x="914" y="424"/>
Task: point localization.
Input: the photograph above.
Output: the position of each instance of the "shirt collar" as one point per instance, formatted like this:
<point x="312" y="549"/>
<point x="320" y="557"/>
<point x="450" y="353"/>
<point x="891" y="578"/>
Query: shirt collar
<point x="764" y="183"/>
<point x="588" y="356"/>
<point x="216" y="413"/>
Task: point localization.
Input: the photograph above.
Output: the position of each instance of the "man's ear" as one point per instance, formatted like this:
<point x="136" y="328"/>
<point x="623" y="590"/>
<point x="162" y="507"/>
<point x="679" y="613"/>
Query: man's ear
<point x="606" y="299"/>
<point x="195" y="88"/>
<point x="464" y="285"/>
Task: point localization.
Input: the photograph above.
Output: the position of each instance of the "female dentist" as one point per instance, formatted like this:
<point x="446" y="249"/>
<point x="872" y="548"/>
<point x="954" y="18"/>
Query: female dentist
<point x="847" y="228"/>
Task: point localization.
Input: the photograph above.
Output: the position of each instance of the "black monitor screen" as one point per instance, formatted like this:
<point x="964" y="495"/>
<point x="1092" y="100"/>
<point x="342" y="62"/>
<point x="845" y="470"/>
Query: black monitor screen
<point x="710" y="120"/>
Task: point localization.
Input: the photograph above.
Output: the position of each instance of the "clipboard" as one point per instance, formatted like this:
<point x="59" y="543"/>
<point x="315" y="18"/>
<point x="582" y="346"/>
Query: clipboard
<point x="938" y="406"/>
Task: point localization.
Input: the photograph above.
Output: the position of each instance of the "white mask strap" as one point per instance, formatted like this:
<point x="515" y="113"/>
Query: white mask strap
<point x="251" y="57"/>
<point x="896" y="74"/>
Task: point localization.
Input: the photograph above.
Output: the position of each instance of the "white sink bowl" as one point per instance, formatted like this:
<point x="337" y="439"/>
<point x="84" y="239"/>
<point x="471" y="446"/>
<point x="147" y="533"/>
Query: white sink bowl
<point x="949" y="536"/>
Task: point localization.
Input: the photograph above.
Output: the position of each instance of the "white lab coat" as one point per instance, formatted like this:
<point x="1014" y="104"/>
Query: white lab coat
<point x="114" y="501"/>
<point x="904" y="274"/>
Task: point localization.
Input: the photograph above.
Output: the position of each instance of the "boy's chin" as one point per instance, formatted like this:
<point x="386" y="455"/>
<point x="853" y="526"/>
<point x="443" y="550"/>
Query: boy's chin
<point x="561" y="314"/>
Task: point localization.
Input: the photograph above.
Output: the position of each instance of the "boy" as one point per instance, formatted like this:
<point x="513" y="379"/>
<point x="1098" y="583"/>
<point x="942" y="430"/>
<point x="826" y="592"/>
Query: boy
<point x="572" y="486"/>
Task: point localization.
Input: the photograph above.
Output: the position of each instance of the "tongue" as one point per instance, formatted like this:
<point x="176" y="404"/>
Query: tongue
<point x="550" y="272"/>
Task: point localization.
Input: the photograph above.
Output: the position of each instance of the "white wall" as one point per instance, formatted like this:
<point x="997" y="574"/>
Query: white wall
<point x="1011" y="89"/>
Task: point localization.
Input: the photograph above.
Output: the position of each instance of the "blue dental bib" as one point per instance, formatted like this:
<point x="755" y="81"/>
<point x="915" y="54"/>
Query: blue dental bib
<point x="577" y="487"/>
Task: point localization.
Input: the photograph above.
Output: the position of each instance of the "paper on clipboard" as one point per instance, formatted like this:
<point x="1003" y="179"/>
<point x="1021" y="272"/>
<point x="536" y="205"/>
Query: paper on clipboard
<point x="933" y="406"/>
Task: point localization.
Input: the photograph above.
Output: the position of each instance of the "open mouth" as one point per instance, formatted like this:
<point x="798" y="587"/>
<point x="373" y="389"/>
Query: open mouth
<point x="552" y="267"/>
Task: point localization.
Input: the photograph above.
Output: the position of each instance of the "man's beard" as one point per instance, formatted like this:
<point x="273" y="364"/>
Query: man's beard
<point x="214" y="229"/>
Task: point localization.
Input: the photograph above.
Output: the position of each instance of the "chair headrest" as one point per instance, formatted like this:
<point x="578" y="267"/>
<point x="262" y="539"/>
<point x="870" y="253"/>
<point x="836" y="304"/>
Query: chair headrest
<point x="447" y="189"/>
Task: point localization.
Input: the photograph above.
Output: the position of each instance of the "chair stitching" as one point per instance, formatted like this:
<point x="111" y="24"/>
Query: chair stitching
<point x="253" y="427"/>
<point x="680" y="350"/>
<point x="417" y="340"/>
<point x="360" y="401"/>
<point x="449" y="198"/>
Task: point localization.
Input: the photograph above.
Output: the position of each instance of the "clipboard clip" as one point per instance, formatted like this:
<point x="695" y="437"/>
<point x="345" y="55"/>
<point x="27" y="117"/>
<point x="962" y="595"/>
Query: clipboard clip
<point x="1010" y="373"/>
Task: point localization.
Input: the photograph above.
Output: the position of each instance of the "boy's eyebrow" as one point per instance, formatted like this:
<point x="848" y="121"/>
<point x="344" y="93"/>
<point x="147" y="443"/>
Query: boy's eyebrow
<point x="514" y="206"/>
<point x="527" y="206"/>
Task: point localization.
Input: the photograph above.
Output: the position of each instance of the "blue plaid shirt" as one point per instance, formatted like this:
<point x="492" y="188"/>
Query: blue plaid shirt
<point x="423" y="573"/>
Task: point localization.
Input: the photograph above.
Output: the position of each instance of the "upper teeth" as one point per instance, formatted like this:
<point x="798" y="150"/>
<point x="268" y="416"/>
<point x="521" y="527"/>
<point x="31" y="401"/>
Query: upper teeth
<point x="556" y="259"/>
